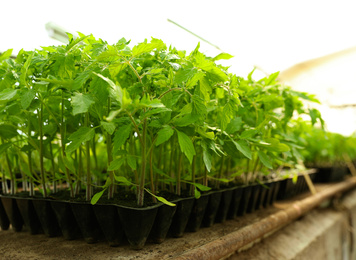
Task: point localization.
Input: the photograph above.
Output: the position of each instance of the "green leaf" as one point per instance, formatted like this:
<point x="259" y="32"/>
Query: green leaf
<point x="197" y="193"/>
<point x="4" y="147"/>
<point x="266" y="161"/>
<point x="7" y="94"/>
<point x="8" y="131"/>
<point x="248" y="133"/>
<point x="116" y="90"/>
<point x="81" y="103"/>
<point x="156" y="111"/>
<point x="83" y="134"/>
<point x="68" y="164"/>
<point x="186" y="145"/>
<point x="27" y="97"/>
<point x="123" y="180"/>
<point x="131" y="161"/>
<point x="109" y="127"/>
<point x="164" y="135"/>
<point x="243" y="147"/>
<point x="116" y="68"/>
<point x="184" y="75"/>
<point x="206" y="156"/>
<point x="81" y="79"/>
<point x="234" y="125"/>
<point x="272" y="78"/>
<point x="147" y="102"/>
<point x="96" y="197"/>
<point x="116" y="164"/>
<point x="201" y="186"/>
<point x="161" y="199"/>
<point x="223" y="56"/>
<point x="5" y="55"/>
<point x="185" y="120"/>
<point x="121" y="135"/>
<point x="198" y="107"/>
<point x="145" y="47"/>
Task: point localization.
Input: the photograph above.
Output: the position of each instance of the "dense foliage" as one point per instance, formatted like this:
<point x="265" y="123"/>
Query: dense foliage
<point x="149" y="118"/>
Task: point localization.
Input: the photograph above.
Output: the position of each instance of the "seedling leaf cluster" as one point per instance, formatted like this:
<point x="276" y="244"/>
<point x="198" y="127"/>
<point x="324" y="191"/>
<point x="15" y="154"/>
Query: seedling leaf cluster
<point x="103" y="118"/>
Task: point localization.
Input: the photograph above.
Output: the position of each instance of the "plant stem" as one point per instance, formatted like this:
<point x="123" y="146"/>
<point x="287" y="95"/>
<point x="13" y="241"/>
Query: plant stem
<point x="43" y="177"/>
<point x="153" y="190"/>
<point x="62" y="129"/>
<point x="53" y="168"/>
<point x="87" y="147"/>
<point x="179" y="172"/>
<point x="80" y="170"/>
<point x="29" y="156"/>
<point x="158" y="165"/>
<point x="110" y="158"/>
<point x="220" y="172"/>
<point x="171" y="163"/>
<point x="141" y="191"/>
<point x="192" y="188"/>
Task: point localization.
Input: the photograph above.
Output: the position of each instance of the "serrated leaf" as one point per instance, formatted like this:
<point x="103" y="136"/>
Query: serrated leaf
<point x="81" y="79"/>
<point x="83" y="134"/>
<point x="164" y="135"/>
<point x="234" y="125"/>
<point x="7" y="94"/>
<point x="154" y="103"/>
<point x="116" y="91"/>
<point x="183" y="75"/>
<point x="145" y="47"/>
<point x="109" y="127"/>
<point x="272" y="78"/>
<point x="116" y="164"/>
<point x="198" y="107"/>
<point x="116" y="68"/>
<point x="185" y="120"/>
<point x="81" y="103"/>
<point x="131" y="161"/>
<point x="223" y="56"/>
<point x="266" y="161"/>
<point x="186" y="145"/>
<point x="242" y="146"/>
<point x="121" y="135"/>
<point x="27" y="97"/>
<point x="156" y="111"/>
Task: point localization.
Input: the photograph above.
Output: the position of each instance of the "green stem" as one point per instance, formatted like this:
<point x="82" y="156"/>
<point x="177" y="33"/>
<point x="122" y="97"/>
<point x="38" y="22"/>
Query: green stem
<point x="87" y="150"/>
<point x="171" y="163"/>
<point x="179" y="174"/>
<point x="43" y="177"/>
<point x="159" y="165"/>
<point x="110" y="158"/>
<point x="141" y="191"/>
<point x="62" y="130"/>
<point x="29" y="156"/>
<point x="192" y="188"/>
<point x="220" y="172"/>
<point x="153" y="190"/>
<point x="53" y="168"/>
